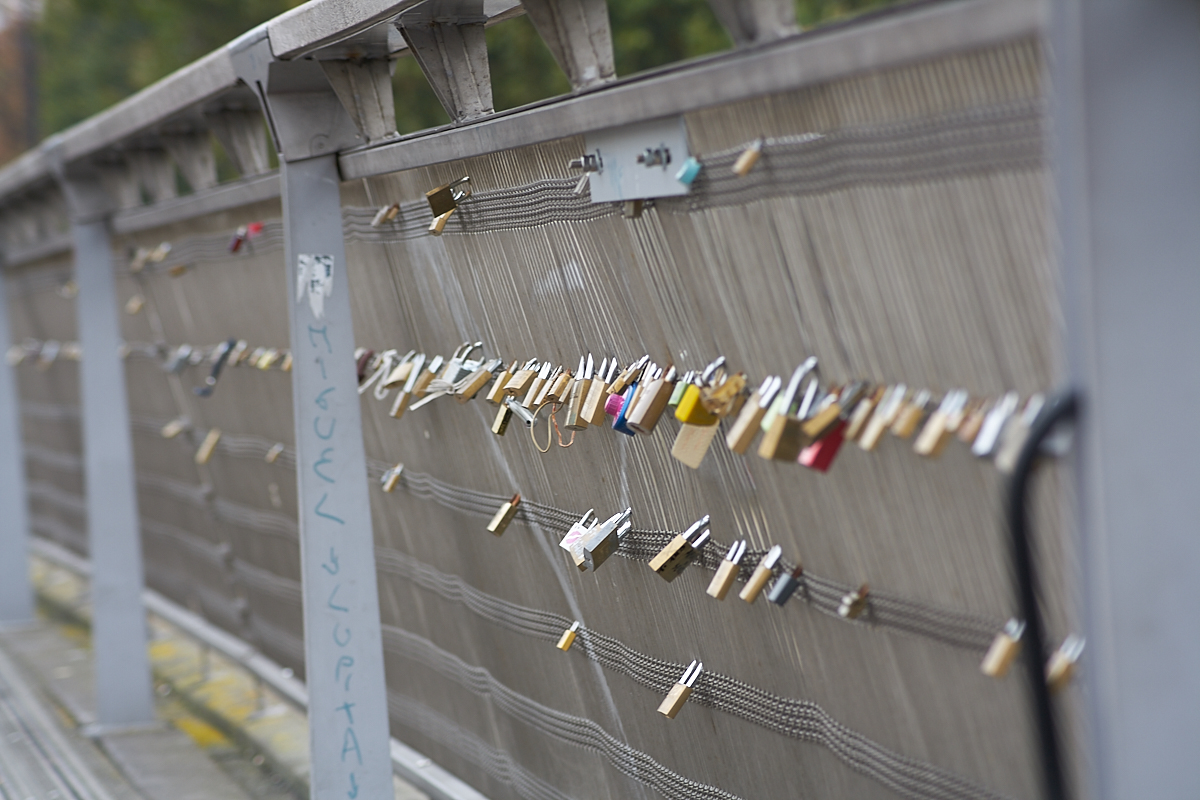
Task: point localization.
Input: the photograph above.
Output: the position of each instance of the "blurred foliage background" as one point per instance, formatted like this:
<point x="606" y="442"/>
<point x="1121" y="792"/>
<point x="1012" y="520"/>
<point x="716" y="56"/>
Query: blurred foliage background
<point x="92" y="53"/>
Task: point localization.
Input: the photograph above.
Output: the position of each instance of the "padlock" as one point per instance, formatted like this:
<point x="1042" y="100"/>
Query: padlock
<point x="519" y="383"/>
<point x="836" y="409"/>
<point x="503" y="417"/>
<point x="573" y="541"/>
<point x="820" y="454"/>
<point x="681" y="387"/>
<point x="786" y="585"/>
<point x="673" y="559"/>
<point x="134" y="304"/>
<point x="421" y="386"/>
<point x="391" y="477"/>
<point x="652" y="403"/>
<point x="1004" y="650"/>
<point x="444" y="199"/>
<point x="576" y="421"/>
<point x="364" y="358"/>
<point x="454" y="369"/>
<point x="537" y="384"/>
<point x="496" y="393"/>
<point x="690" y="410"/>
<point x="727" y="573"/>
<point x="785" y="438"/>
<point x="725" y="396"/>
<point x="748" y="158"/>
<point x="741" y="434"/>
<point x="972" y="423"/>
<point x="267" y="359"/>
<point x="1015" y="434"/>
<point x="568" y="637"/>
<point x="680" y="692"/>
<point x="541" y="396"/>
<point x="993" y="425"/>
<point x="286" y="364"/>
<point x="862" y="414"/>
<point x="621" y="422"/>
<point x="604" y="539"/>
<point x="762" y="573"/>
<point x="692" y="443"/>
<point x="885" y="414"/>
<point x="468" y="387"/>
<point x="1061" y="666"/>
<point x="404" y="396"/>
<point x="854" y="603"/>
<point x="503" y="516"/>
<point x="385" y="214"/>
<point x="593" y="405"/>
<point x="175" y="427"/>
<point x="939" y="428"/>
<point x="911" y="415"/>
<point x="274" y="452"/>
<point x="558" y="390"/>
<point x="208" y="446"/>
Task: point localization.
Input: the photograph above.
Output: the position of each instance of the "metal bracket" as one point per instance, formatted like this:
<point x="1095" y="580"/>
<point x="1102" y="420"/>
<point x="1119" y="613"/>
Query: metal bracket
<point x="635" y="162"/>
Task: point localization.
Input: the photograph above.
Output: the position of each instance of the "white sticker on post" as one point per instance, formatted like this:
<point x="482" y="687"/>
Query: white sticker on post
<point x="314" y="277"/>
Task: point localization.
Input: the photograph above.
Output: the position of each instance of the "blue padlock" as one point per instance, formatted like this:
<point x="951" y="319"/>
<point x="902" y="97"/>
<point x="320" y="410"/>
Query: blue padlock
<point x="619" y="423"/>
<point x="688" y="172"/>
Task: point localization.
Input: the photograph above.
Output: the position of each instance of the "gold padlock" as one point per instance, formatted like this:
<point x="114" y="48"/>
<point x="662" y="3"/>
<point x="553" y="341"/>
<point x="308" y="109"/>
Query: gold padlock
<point x="503" y="516"/>
<point x="910" y="416"/>
<point x="519" y="383"/>
<point x="862" y="414"/>
<point x="135" y="304"/>
<point x="496" y="393"/>
<point x="579" y="392"/>
<point x="274" y="453"/>
<point x="728" y="571"/>
<point x="444" y="199"/>
<point x="1015" y="434"/>
<point x="972" y="422"/>
<point x="744" y="428"/>
<point x="500" y="423"/>
<point x="748" y="158"/>
<point x="466" y="388"/>
<point x="391" y="477"/>
<point x="1061" y="666"/>
<point x="680" y="692"/>
<point x="421" y="385"/>
<point x="651" y="403"/>
<point x="536" y="385"/>
<point x="762" y="574"/>
<point x="1004" y="650"/>
<point x="208" y="446"/>
<point x="568" y="638"/>
<point x="885" y="414"/>
<point x="692" y="443"/>
<point x="724" y="397"/>
<point x="174" y="427"/>
<point x="938" y="429"/>
<point x="593" y="406"/>
<point x="854" y="603"/>
<point x="286" y="364"/>
<point x="784" y="440"/>
<point x="404" y="396"/>
<point x="673" y="559"/>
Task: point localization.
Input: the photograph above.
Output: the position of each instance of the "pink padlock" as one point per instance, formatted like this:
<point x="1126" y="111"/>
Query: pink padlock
<point x="614" y="404"/>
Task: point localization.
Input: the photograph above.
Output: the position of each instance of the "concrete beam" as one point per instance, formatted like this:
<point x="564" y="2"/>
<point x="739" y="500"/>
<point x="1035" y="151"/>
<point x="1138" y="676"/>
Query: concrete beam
<point x="193" y="154"/>
<point x="447" y="39"/>
<point x="579" y="36"/>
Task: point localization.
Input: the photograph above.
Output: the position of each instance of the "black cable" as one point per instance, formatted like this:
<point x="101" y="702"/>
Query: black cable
<point x="1060" y="406"/>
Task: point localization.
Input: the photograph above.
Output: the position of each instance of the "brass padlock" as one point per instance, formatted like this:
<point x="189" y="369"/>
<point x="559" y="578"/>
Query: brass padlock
<point x="267" y="359"/>
<point x="725" y="396"/>
<point x="836" y="409"/>
<point x="274" y="453"/>
<point x="854" y="603"/>
<point x="680" y="692"/>
<point x="762" y="573"/>
<point x="911" y="414"/>
<point x="503" y="417"/>
<point x="572" y="542"/>
<point x="503" y="516"/>
<point x="1061" y="666"/>
<point x="558" y="390"/>
<point x="568" y="637"/>
<point x="748" y="158"/>
<point x="438" y="224"/>
<point x="1016" y="433"/>
<point x="576" y="421"/>
<point x="466" y="388"/>
<point x="208" y="446"/>
<point x="692" y="443"/>
<point x="885" y="414"/>
<point x="784" y="440"/>
<point x="135" y="304"/>
<point x="651" y="403"/>
<point x="972" y="423"/>
<point x="727" y="573"/>
<point x="603" y="539"/>
<point x="537" y="384"/>
<point x="939" y="428"/>
<point x="391" y="477"/>
<point x="862" y="413"/>
<point x="673" y="559"/>
<point x="1004" y="650"/>
<point x="744" y="428"/>
<point x="426" y="376"/>
<point x="175" y="427"/>
<point x="519" y="383"/>
<point x="496" y="393"/>
<point x="444" y="199"/>
<point x="593" y="405"/>
<point x="404" y="396"/>
<point x="385" y="214"/>
<point x="286" y="364"/>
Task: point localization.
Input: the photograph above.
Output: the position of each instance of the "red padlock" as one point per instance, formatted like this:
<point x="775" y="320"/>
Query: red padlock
<point x="820" y="454"/>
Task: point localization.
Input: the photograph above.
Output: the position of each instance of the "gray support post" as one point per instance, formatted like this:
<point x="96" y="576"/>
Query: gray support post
<point x="123" y="686"/>
<point x="579" y="36"/>
<point x="750" y="22"/>
<point x="343" y="643"/>
<point x="1126" y="120"/>
<point x="16" y="595"/>
<point x="447" y="39"/>
<point x="241" y="133"/>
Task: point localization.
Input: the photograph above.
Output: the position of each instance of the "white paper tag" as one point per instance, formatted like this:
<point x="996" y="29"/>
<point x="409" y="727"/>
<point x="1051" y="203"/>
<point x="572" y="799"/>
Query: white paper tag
<point x="314" y="277"/>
